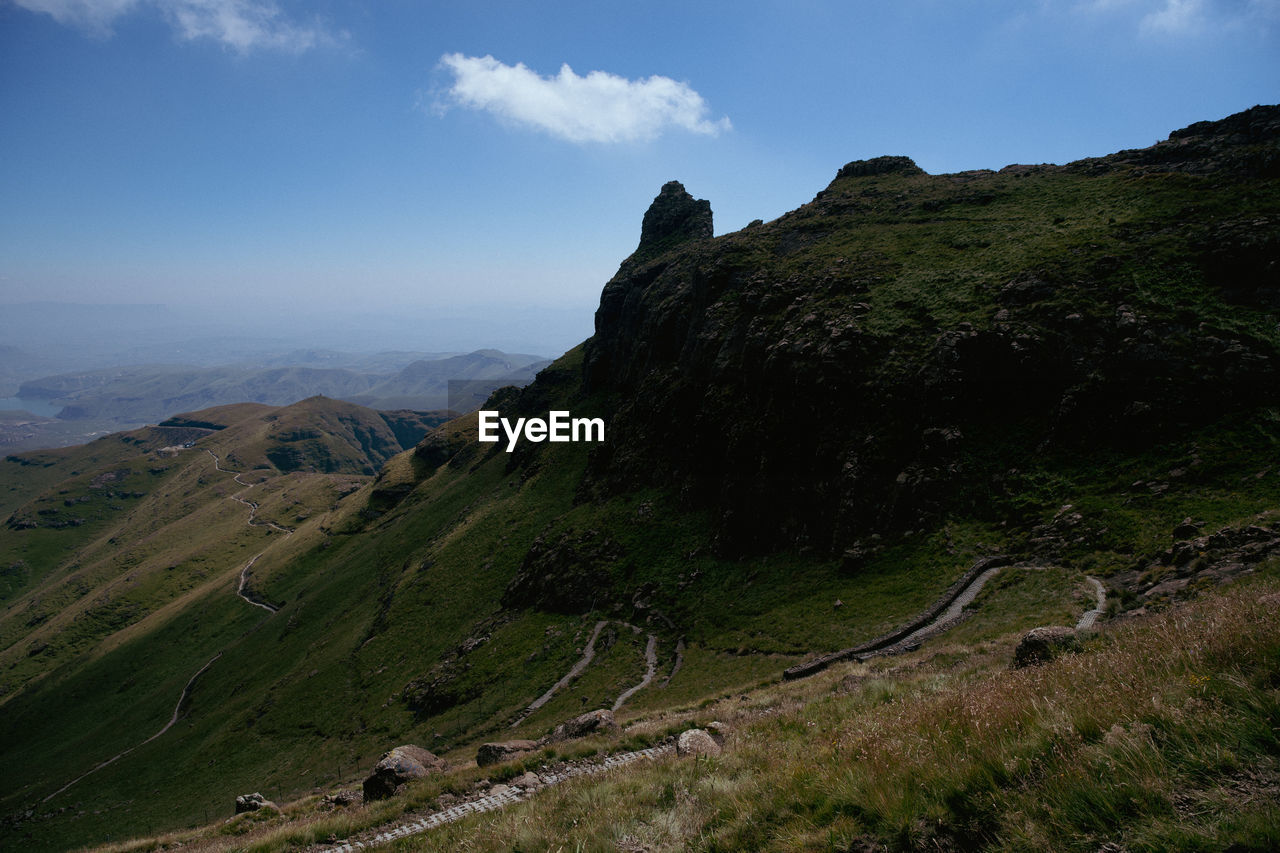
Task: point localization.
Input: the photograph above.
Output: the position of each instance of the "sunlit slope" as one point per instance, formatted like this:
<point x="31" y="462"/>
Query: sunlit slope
<point x="135" y="521"/>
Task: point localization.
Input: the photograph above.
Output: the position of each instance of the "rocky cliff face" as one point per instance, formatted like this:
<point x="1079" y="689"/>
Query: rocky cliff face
<point x="888" y="352"/>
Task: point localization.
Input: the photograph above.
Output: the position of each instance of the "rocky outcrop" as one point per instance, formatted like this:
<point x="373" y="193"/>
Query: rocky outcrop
<point x="790" y="379"/>
<point x="567" y="573"/>
<point x="440" y="689"/>
<point x="1041" y="645"/>
<point x="253" y="802"/>
<point x="496" y="753"/>
<point x="879" y="166"/>
<point x="400" y="765"/>
<point x="592" y="722"/>
<point x="1196" y="561"/>
<point x="674" y="218"/>
<point x="1243" y="143"/>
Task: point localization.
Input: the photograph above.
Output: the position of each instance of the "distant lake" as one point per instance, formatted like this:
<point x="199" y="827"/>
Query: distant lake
<point x="44" y="408"/>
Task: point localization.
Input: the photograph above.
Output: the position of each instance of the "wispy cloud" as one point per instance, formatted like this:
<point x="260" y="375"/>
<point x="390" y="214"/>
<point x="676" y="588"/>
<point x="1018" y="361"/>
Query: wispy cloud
<point x="1179" y="18"/>
<point x="1175" y="17"/>
<point x="598" y="107"/>
<point x="243" y="25"/>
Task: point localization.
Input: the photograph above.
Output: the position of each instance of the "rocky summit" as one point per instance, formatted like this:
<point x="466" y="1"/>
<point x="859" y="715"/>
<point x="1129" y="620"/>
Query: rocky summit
<point x="883" y="355"/>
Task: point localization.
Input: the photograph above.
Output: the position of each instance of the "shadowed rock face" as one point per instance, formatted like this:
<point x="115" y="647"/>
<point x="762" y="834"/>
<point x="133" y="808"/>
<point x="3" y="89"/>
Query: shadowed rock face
<point x="675" y="217"/>
<point x="879" y="166"/>
<point x="799" y="380"/>
<point x="496" y="753"/>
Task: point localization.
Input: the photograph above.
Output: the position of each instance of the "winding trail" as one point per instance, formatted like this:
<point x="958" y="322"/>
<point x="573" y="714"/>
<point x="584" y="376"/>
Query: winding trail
<point x="1091" y="616"/>
<point x="177" y="709"/>
<point x="244" y="579"/>
<point x="946" y="612"/>
<point x="253" y="507"/>
<point x="675" y="667"/>
<point x="588" y="654"/>
<point x="240" y="591"/>
<point x="651" y="663"/>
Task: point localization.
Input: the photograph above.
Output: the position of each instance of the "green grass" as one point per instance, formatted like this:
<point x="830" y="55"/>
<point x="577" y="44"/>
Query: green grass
<point x="1060" y="757"/>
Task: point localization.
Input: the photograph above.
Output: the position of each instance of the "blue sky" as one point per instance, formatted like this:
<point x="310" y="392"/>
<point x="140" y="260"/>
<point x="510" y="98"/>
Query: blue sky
<point x="438" y="157"/>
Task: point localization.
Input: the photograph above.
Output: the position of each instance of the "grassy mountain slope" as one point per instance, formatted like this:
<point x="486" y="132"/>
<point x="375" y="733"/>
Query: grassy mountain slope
<point x="852" y="403"/>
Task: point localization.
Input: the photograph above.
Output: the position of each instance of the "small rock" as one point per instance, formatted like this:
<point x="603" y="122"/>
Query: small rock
<point x="1040" y="645"/>
<point x="527" y="781"/>
<point x="499" y="790"/>
<point x="719" y="731"/>
<point x="253" y="802"/>
<point x="495" y="753"/>
<point x="696" y="742"/>
<point x="343" y="798"/>
<point x="1188" y="529"/>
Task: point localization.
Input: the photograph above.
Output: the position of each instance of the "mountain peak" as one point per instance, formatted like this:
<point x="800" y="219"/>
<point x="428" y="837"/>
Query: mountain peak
<point x="879" y="166"/>
<point x="674" y="217"/>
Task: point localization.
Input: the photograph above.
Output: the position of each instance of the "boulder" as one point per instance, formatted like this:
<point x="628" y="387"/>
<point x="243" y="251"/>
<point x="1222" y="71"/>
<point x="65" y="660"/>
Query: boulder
<point x="253" y="802"/>
<point x="585" y="724"/>
<point x="496" y="753"/>
<point x="397" y="767"/>
<point x="1044" y="644"/>
<point x="696" y="742"/>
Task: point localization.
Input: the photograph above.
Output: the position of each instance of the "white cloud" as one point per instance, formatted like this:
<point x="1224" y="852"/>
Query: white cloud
<point x="95" y="16"/>
<point x="1174" y="17"/>
<point x="599" y="107"/>
<point x="1179" y="18"/>
<point x="243" y="25"/>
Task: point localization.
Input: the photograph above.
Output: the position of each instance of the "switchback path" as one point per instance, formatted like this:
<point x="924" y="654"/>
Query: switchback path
<point x="253" y="507"/>
<point x="588" y="654"/>
<point x="945" y="613"/>
<point x="651" y="667"/>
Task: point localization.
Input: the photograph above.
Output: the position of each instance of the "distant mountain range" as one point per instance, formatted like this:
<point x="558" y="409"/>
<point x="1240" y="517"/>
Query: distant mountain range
<point x="125" y="397"/>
